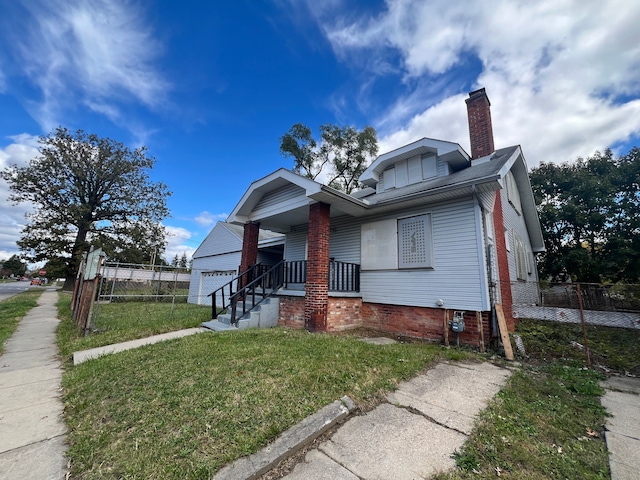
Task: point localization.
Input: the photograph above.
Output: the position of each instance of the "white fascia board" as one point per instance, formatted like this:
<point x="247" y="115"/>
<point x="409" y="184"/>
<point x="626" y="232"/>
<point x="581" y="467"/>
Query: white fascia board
<point x="243" y="211"/>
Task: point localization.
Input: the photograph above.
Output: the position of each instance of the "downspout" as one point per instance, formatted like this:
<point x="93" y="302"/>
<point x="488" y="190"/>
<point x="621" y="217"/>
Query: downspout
<point x="487" y="246"/>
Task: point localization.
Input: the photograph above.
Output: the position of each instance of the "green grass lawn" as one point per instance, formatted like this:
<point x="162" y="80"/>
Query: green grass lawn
<point x="547" y="423"/>
<point x="183" y="409"/>
<point x="12" y="310"/>
<point x="121" y="321"/>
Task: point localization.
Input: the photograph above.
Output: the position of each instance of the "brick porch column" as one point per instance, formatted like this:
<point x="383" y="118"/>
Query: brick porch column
<point x="249" y="246"/>
<point x="316" y="299"/>
<point x="503" y="263"/>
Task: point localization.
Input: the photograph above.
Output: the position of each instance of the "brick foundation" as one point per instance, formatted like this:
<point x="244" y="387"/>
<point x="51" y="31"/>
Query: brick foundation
<point x="418" y="322"/>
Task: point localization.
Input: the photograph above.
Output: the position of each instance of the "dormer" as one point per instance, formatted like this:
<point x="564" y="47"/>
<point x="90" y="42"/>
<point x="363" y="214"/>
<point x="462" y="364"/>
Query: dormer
<point x="414" y="163"/>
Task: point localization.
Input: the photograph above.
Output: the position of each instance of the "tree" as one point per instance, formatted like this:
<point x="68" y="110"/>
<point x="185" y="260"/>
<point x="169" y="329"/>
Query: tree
<point x="13" y="267"/>
<point x="345" y="150"/>
<point x="87" y="190"/>
<point x="184" y="263"/>
<point x="56" y="267"/>
<point x="589" y="212"/>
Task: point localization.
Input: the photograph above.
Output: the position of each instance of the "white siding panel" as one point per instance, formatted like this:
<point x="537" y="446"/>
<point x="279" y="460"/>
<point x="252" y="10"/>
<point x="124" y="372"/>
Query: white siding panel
<point x="220" y="240"/>
<point x="344" y="243"/>
<point x="280" y="195"/>
<point x="456" y="276"/>
<point x="295" y="247"/>
<point x="442" y="167"/>
<point x="523" y="292"/>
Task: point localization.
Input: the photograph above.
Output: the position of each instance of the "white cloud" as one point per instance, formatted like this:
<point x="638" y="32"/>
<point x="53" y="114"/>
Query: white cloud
<point x="563" y="77"/>
<point x="94" y="53"/>
<point x="176" y="238"/>
<point x="206" y="219"/>
<point x="23" y="148"/>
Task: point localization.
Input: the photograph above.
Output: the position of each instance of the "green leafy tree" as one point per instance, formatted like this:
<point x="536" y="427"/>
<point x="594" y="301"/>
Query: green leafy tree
<point x="56" y="268"/>
<point x="344" y="151"/>
<point x="86" y="189"/>
<point x="184" y="262"/>
<point x="14" y="266"/>
<point x="589" y="215"/>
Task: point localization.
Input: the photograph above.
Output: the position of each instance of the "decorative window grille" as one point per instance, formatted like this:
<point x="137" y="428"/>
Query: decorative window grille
<point x="414" y="242"/>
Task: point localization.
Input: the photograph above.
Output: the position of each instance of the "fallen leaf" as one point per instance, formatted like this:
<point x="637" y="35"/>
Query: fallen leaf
<point x="592" y="433"/>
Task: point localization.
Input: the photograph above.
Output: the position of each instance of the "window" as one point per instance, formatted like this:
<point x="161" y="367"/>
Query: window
<point x="513" y="194"/>
<point x="414" y="242"/>
<point x="521" y="257"/>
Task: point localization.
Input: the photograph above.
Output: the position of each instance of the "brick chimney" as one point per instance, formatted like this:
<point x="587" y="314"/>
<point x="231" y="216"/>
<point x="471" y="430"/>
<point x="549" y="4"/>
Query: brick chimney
<point x="480" y="129"/>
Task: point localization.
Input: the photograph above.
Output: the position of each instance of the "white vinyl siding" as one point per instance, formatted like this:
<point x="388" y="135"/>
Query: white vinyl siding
<point x="281" y="195"/>
<point x="524" y="279"/>
<point x="456" y="277"/>
<point x="295" y="247"/>
<point x="219" y="241"/>
<point x="344" y="243"/>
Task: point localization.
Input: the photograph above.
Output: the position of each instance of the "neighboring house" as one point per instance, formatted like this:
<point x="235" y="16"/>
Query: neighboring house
<point x="217" y="259"/>
<point x="435" y="232"/>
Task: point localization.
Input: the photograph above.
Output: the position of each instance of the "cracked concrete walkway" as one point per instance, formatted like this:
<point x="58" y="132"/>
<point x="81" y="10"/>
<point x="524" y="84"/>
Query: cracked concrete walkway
<point x="414" y="434"/>
<point x="32" y="432"/>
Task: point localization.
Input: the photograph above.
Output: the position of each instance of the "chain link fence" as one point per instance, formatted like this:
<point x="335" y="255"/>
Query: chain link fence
<point x="614" y="305"/>
<point x="149" y="291"/>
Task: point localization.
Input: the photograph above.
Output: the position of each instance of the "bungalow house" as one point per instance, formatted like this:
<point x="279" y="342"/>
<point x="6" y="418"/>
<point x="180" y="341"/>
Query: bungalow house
<point x="217" y="259"/>
<point x="435" y="235"/>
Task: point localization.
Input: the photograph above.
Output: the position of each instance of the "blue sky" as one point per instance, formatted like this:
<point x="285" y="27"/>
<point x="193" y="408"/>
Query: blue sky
<point x="210" y="87"/>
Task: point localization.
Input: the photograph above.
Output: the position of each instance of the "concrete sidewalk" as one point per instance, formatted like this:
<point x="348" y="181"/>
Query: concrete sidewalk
<point x="32" y="432"/>
<point x="622" y="401"/>
<point x="414" y="434"/>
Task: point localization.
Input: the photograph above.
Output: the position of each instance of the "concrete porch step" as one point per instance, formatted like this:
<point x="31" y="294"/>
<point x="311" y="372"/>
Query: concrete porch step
<point x="264" y="315"/>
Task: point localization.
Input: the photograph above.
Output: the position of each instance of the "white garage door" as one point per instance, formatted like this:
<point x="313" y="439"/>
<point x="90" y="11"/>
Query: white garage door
<point x="211" y="281"/>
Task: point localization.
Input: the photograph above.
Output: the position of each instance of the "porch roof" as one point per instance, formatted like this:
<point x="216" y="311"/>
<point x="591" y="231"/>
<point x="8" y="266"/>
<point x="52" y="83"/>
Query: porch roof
<point x="281" y="200"/>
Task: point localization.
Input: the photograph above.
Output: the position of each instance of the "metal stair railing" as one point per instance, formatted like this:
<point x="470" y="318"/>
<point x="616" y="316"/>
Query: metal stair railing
<point x="226" y="291"/>
<point x="260" y="281"/>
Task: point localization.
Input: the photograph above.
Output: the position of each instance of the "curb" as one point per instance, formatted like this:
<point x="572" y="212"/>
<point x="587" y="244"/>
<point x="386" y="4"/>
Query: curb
<point x="292" y="440"/>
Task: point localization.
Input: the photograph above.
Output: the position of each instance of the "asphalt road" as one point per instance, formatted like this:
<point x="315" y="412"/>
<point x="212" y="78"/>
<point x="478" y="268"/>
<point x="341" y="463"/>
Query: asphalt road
<point x="13" y="288"/>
